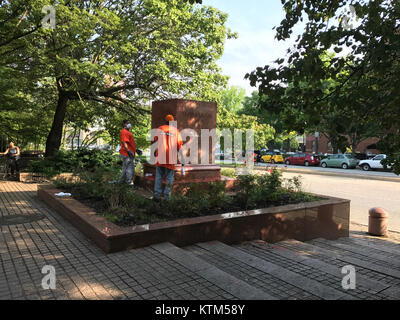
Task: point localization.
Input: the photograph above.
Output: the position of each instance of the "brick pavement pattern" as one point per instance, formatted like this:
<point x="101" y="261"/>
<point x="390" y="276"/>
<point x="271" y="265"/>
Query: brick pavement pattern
<point x="33" y="236"/>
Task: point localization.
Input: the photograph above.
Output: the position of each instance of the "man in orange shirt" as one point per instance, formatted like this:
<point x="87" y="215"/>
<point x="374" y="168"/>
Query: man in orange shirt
<point x="167" y="157"/>
<point x="127" y="151"/>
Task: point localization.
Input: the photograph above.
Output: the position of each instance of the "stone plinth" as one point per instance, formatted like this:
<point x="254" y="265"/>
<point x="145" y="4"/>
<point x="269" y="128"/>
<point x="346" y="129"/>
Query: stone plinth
<point x="206" y="172"/>
<point x="188" y="114"/>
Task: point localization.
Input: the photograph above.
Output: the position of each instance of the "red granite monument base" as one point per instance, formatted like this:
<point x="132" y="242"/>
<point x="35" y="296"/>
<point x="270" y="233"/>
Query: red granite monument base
<point x="210" y="172"/>
<point x="195" y="115"/>
<point x="328" y="218"/>
<point x="194" y="174"/>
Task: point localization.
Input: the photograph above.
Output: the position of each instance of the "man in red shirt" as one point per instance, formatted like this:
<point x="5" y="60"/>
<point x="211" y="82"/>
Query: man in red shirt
<point x="127" y="151"/>
<point x="167" y="157"/>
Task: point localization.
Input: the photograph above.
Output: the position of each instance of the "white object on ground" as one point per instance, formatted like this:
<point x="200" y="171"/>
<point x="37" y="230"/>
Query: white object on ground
<point x="62" y="194"/>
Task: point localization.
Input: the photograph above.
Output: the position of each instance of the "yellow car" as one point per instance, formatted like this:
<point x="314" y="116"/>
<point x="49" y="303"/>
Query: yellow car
<point x="272" y="157"/>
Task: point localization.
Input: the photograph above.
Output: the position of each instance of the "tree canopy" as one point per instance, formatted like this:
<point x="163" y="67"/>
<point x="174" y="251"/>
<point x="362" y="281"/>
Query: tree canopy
<point x="114" y="56"/>
<point x="232" y="98"/>
<point x="365" y="37"/>
<point x="228" y="120"/>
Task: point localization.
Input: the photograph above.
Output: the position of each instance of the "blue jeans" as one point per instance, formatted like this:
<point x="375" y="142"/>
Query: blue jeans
<point x="128" y="169"/>
<point x="162" y="172"/>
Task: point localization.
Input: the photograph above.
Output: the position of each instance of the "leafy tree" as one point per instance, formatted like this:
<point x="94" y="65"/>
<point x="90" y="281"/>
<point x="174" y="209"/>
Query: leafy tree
<point x="232" y="98"/>
<point x="118" y="55"/>
<point x="229" y="120"/>
<point x="113" y="125"/>
<point x="17" y="22"/>
<point x="283" y="135"/>
<point x="230" y="116"/>
<point x="26" y="108"/>
<point x="366" y="78"/>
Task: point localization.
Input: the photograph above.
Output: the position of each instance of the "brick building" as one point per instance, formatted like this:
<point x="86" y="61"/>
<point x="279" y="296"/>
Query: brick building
<point x="322" y="144"/>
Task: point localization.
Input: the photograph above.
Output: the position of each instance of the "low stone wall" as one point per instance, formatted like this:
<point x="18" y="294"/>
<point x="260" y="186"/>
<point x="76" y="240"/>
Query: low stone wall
<point x="39" y="177"/>
<point x="328" y="218"/>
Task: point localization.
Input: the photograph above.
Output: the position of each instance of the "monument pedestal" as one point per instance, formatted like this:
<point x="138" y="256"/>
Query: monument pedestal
<point x="195" y="115"/>
<point x="194" y="174"/>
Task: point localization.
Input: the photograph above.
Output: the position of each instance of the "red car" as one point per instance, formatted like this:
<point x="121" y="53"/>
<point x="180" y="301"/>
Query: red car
<point x="303" y="159"/>
<point x="256" y="155"/>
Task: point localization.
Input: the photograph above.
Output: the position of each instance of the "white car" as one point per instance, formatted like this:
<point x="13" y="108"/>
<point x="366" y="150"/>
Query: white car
<point x="374" y="163"/>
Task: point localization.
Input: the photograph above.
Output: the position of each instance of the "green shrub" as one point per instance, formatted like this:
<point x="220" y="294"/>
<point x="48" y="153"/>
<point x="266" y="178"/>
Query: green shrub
<point x="45" y="166"/>
<point x="125" y="206"/>
<point x="95" y="158"/>
<point x="228" y="172"/>
<point x="71" y="161"/>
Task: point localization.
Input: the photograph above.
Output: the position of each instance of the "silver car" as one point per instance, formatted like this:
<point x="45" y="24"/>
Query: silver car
<point x="344" y="161"/>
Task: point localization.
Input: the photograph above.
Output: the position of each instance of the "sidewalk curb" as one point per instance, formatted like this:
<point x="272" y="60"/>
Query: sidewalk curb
<point x="340" y="174"/>
<point x="325" y="173"/>
<point x="392" y="234"/>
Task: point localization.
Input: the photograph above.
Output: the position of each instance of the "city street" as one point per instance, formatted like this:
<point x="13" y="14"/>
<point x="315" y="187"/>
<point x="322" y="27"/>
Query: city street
<point x="363" y="194"/>
<point x="357" y="171"/>
<point x="317" y="169"/>
<point x="365" y="189"/>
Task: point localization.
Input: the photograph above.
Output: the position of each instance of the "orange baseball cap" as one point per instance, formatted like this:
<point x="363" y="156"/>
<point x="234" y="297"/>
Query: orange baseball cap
<point x="169" y="118"/>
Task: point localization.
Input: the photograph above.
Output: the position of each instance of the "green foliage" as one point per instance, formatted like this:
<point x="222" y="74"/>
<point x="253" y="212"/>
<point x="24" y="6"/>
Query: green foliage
<point x="231" y="116"/>
<point x="255" y="190"/>
<point x="293" y="184"/>
<point x="391" y="144"/>
<point x="106" y="59"/>
<point x="228" y="172"/>
<point x="72" y="161"/>
<point x="232" y="98"/>
<point x="252" y="106"/>
<point x="344" y="93"/>
<point x="227" y="120"/>
<point x="121" y="204"/>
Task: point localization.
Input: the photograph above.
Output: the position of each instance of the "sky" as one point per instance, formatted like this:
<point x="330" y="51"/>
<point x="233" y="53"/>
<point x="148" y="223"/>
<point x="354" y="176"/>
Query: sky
<point x="256" y="45"/>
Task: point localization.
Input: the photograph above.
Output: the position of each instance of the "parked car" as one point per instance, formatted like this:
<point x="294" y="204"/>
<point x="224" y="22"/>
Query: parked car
<point x="344" y="161"/>
<point x="303" y="159"/>
<point x="222" y="155"/>
<point x="272" y="157"/>
<point x="364" y="156"/>
<point x="257" y="156"/>
<point x="325" y="155"/>
<point x="219" y="155"/>
<point x="374" y="163"/>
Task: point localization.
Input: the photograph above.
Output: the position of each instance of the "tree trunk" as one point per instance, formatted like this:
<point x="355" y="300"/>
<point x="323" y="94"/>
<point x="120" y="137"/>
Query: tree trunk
<point x="63" y="138"/>
<point x="79" y="139"/>
<point x="53" y="141"/>
<point x="335" y="144"/>
<point x="354" y="143"/>
<point x="354" y="147"/>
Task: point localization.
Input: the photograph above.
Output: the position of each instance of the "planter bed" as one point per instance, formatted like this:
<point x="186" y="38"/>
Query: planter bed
<point x="327" y="218"/>
<point x="40" y="177"/>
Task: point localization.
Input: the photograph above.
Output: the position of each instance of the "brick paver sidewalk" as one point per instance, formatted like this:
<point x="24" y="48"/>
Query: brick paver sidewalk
<point x="82" y="270"/>
<point x="33" y="236"/>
